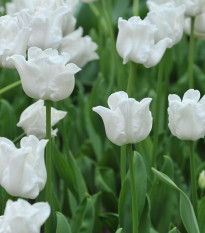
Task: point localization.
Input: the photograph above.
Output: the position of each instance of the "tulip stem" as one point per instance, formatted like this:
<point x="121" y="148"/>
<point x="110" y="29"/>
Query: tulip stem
<point x="133" y="190"/>
<point x="9" y="87"/>
<point x="193" y="178"/>
<point x="136" y="7"/>
<point x="156" y="113"/>
<point x="191" y="54"/>
<point x="130" y="79"/>
<point x="48" y="161"/>
<point x="123" y="164"/>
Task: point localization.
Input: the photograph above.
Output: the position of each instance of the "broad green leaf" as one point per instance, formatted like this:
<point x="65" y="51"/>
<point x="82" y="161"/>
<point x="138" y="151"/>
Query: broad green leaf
<point x="125" y="199"/>
<point x="69" y="172"/>
<point x="97" y="202"/>
<point x="62" y="224"/>
<point x="145" y="223"/>
<point x="83" y="219"/>
<point x="201" y="215"/>
<point x="186" y="210"/>
<point x="110" y="220"/>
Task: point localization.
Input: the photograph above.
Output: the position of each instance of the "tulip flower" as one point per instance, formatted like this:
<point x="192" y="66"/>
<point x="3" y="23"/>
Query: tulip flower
<point x="22" y="217"/>
<point x="187" y="116"/>
<point x="169" y="20"/>
<point x="81" y="49"/>
<point x="136" y="42"/>
<point x="199" y="26"/>
<point x="127" y="120"/>
<point x="13" y="39"/>
<point x="202" y="180"/>
<point x="45" y="75"/>
<point x="192" y="7"/>
<point x="23" y="171"/>
<point x="33" y="119"/>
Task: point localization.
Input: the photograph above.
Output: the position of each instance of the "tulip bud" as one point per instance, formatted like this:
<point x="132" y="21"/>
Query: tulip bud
<point x="127" y="120"/>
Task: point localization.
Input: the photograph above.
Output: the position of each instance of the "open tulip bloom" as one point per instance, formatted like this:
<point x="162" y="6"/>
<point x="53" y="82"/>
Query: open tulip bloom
<point x="187" y="116"/>
<point x="46" y="75"/>
<point x="127" y="120"/>
<point x="22" y="217"/>
<point x="33" y="119"/>
<point x="136" y="42"/>
<point x="23" y="171"/>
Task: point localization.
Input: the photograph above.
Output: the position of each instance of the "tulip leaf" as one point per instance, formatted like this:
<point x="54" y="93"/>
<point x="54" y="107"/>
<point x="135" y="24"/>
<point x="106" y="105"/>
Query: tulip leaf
<point x="62" y="224"/>
<point x="125" y="199"/>
<point x="110" y="220"/>
<point x="120" y="230"/>
<point x="69" y="172"/>
<point x="145" y="222"/>
<point x="174" y="230"/>
<point x="201" y="215"/>
<point x="83" y="219"/>
<point x="186" y="209"/>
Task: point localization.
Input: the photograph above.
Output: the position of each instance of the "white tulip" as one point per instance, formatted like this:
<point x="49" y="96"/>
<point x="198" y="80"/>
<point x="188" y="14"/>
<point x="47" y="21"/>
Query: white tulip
<point x="22" y="217"/>
<point x="187" y="116"/>
<point x="127" y="120"/>
<point x="169" y="20"/>
<point x="81" y="49"/>
<point x="192" y="7"/>
<point x="48" y="25"/>
<point x="23" y="171"/>
<point x="33" y="119"/>
<point x="13" y="39"/>
<point x="136" y="42"/>
<point x="199" y="26"/>
<point x="45" y="75"/>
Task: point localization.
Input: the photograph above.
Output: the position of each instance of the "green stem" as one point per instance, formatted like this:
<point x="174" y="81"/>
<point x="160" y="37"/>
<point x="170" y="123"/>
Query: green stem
<point x="112" y="37"/>
<point x="133" y="190"/>
<point x="191" y="54"/>
<point x="131" y="79"/>
<point x="19" y="137"/>
<point x="94" y="9"/>
<point x="123" y="163"/>
<point x="9" y="87"/>
<point x="48" y="162"/>
<point x="193" y="178"/>
<point x="136" y="7"/>
<point x="156" y="114"/>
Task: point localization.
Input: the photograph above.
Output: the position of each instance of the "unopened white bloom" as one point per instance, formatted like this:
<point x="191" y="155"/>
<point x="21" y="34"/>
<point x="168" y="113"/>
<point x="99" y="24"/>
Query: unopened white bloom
<point x="13" y="39"/>
<point x="202" y="180"/>
<point x="187" y="116"/>
<point x="45" y="75"/>
<point x="22" y="217"/>
<point x="81" y="49"/>
<point x="169" y="20"/>
<point x="199" y="26"/>
<point x="23" y="171"/>
<point x="192" y="7"/>
<point x="126" y="120"/>
<point x="33" y="119"/>
<point x="136" y="42"/>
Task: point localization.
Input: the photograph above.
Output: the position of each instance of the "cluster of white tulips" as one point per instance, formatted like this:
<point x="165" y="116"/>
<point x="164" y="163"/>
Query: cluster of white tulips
<point x="45" y="30"/>
<point x="39" y="39"/>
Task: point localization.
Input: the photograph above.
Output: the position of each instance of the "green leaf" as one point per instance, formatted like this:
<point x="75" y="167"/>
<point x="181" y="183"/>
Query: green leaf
<point x="174" y="230"/>
<point x="110" y="220"/>
<point x="201" y="215"/>
<point x="120" y="230"/>
<point x="186" y="210"/>
<point x="125" y="199"/>
<point x="83" y="219"/>
<point x="69" y="172"/>
<point x="62" y="224"/>
<point x="145" y="222"/>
